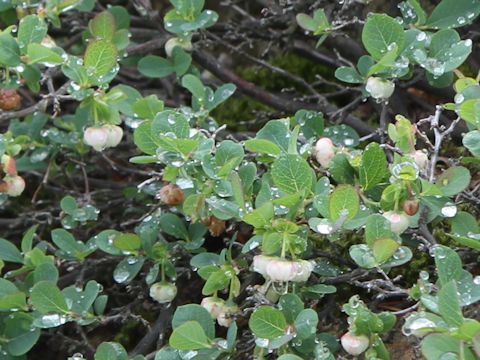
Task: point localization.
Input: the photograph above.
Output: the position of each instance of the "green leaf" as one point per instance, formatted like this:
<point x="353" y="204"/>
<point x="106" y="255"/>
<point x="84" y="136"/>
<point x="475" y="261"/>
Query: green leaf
<point x="67" y="243"/>
<point x="292" y="174"/>
<point x="454" y="180"/>
<point x="470" y="111"/>
<point x="374" y="167"/>
<point x="127" y="269"/>
<point x="45" y="272"/>
<point x="32" y="29"/>
<point x="171" y="121"/>
<point x="464" y="224"/>
<point x="68" y="204"/>
<point x="100" y="58"/>
<point x="189" y="336"/>
<point x="144" y="139"/>
<point x="453" y="13"/>
<point x="306" y="323"/>
<point x="434" y="346"/>
<point x="9" y="252"/>
<point x="155" y="66"/>
<point x="194" y="85"/>
<point x="363" y="256"/>
<point x="380" y="32"/>
<point x="260" y="217"/>
<point x="196" y="313"/>
<point x="449" y="305"/>
<point x="267" y="322"/>
<point x="9" y="50"/>
<point x="471" y="141"/>
<point x="383" y="249"/>
<point x="277" y="132"/>
<point x="348" y="75"/>
<point x="27" y="239"/>
<point x="174" y="226"/>
<point x="216" y="281"/>
<point x="46" y="297"/>
<point x="344" y="203"/>
<point x="40" y="54"/>
<point x="447" y="48"/>
<point x="111" y="351"/>
<point x="262" y="146"/>
<point x="377" y="227"/>
<point x="103" y="26"/>
<point x="291" y="305"/>
<point x="148" y="107"/>
<point x="448" y="263"/>
<point x="127" y="242"/>
<point x="20" y="333"/>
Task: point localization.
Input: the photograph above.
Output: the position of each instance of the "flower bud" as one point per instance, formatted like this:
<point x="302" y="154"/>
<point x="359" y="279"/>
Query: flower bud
<point x="96" y="137"/>
<point x="9" y="99"/>
<point x="260" y="263"/>
<point x="216" y="227"/>
<point x="379" y="88"/>
<point x="225" y="317"/>
<point x="115" y="134"/>
<point x="174" y="42"/>
<point x="171" y="195"/>
<point x="13" y="185"/>
<point x="398" y="221"/>
<point x="324" y="151"/>
<point x="354" y="344"/>
<point x="213" y="305"/>
<point x="410" y="207"/>
<point x="420" y="158"/>
<point x="286" y="270"/>
<point x="9" y="165"/>
<point x="163" y="292"/>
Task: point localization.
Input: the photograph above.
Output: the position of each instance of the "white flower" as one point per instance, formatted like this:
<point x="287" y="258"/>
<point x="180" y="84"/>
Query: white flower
<point x="213" y="305"/>
<point x="225" y="317"/>
<point x="163" y="292"/>
<point x="260" y="263"/>
<point x="398" y="221"/>
<point x="379" y="88"/>
<point x="96" y="137"/>
<point x="115" y="134"/>
<point x="324" y="151"/>
<point x="420" y="158"/>
<point x="286" y="270"/>
<point x="174" y="42"/>
<point x="354" y="344"/>
<point x="15" y="185"/>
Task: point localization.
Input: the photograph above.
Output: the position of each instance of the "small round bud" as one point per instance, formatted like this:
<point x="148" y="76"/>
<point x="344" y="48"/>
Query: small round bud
<point x="398" y="221"/>
<point x="115" y="134"/>
<point x="96" y="137"/>
<point x="379" y="88"/>
<point x="286" y="270"/>
<point x="163" y="292"/>
<point x="14" y="185"/>
<point x="420" y="158"/>
<point x="216" y="227"/>
<point x="174" y="42"/>
<point x="9" y="99"/>
<point x="354" y="344"/>
<point x="324" y="151"/>
<point x="213" y="305"/>
<point x="171" y="195"/>
<point x="410" y="207"/>
<point x="225" y="317"/>
<point x="9" y="165"/>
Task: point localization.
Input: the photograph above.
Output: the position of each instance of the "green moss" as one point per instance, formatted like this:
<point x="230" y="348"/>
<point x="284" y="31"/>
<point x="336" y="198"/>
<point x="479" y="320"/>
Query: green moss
<point x="239" y="109"/>
<point x="128" y="334"/>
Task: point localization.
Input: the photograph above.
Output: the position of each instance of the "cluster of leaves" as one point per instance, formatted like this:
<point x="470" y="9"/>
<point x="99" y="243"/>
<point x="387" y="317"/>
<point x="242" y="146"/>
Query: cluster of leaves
<point x="298" y="184"/>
